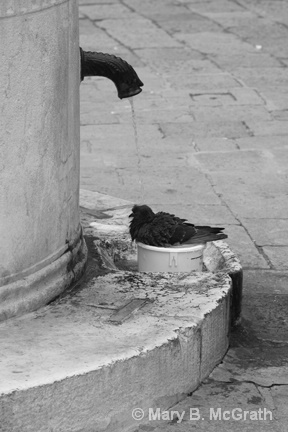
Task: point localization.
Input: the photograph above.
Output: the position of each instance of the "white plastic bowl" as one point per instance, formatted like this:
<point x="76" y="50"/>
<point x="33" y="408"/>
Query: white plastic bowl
<point x="175" y="259"/>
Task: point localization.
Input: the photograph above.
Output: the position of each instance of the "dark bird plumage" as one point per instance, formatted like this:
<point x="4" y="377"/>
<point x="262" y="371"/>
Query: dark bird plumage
<point x="164" y="229"/>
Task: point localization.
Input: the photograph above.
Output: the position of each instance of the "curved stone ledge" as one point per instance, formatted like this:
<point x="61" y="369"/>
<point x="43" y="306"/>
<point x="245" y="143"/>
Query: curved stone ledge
<point x="82" y="367"/>
<point x="123" y="340"/>
<point x="37" y="289"/>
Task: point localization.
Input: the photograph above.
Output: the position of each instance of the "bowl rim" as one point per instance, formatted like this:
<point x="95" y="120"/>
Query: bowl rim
<point x="175" y="249"/>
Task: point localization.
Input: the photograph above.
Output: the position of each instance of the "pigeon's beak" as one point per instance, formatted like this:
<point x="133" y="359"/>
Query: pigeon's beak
<point x="131" y="215"/>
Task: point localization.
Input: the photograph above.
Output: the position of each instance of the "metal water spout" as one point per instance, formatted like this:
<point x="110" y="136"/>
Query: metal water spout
<point x="115" y="68"/>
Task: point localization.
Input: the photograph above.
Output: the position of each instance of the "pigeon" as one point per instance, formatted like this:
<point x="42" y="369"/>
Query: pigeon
<point x="165" y="229"/>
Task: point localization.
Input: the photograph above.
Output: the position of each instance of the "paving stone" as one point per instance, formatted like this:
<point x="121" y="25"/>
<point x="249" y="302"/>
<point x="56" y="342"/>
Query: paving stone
<point x="177" y="61"/>
<point x="204" y="411"/>
<point x="275" y="47"/>
<point x="197" y="83"/>
<point x="93" y="38"/>
<point x="279" y="396"/>
<point x="257" y="282"/>
<point x="257" y="32"/>
<point x="262" y="78"/>
<point x="175" y="115"/>
<point x="230" y="113"/>
<point x="262" y="142"/>
<point x="270" y="128"/>
<point x="233" y="19"/>
<point x="244" y="247"/>
<point x="91" y="113"/>
<point x="104" y="11"/>
<point x="142" y="33"/>
<point x="149" y="8"/>
<point x="158" y="184"/>
<point x="162" y="101"/>
<point x="277" y="255"/>
<point x="103" y="139"/>
<point x="279" y="159"/>
<point x="253" y="59"/>
<point x="214" y="144"/>
<point x="249" y="199"/>
<point x="268" y="232"/>
<point x="215" y="43"/>
<point x="267" y="315"/>
<point x="279" y="114"/>
<point x="237" y="183"/>
<point x="85" y="2"/>
<point x="231" y="162"/>
<point x="235" y="96"/>
<point x="275" y="11"/>
<point x="209" y="6"/>
<point x="91" y="157"/>
<point x="233" y="129"/>
<point x="187" y="23"/>
<point x="168" y="56"/>
<point x="245" y="368"/>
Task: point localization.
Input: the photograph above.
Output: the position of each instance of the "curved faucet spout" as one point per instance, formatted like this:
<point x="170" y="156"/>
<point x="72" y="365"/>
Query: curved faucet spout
<point x="116" y="69"/>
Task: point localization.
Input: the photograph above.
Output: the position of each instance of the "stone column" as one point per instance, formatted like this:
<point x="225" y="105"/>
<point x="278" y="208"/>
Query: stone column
<point x="41" y="245"/>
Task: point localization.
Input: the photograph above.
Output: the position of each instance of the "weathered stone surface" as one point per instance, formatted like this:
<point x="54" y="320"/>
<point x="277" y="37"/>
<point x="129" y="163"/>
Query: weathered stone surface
<point x="236" y="181"/>
<point x="245" y="248"/>
<point x="262" y="78"/>
<point x="277" y="255"/>
<point x="191" y="23"/>
<point x="208" y="7"/>
<point x="93" y="38"/>
<point x="220" y="129"/>
<point x="269" y="128"/>
<point x="142" y="32"/>
<point x="203" y="81"/>
<point x="213" y="143"/>
<point x="230" y="113"/>
<point x="254" y="60"/>
<point x="75" y="351"/>
<point x="261" y="142"/>
<point x="258" y="282"/>
<point x="268" y="232"/>
<point x="235" y="96"/>
<point x="215" y="42"/>
<point x="162" y="7"/>
<point x="105" y="11"/>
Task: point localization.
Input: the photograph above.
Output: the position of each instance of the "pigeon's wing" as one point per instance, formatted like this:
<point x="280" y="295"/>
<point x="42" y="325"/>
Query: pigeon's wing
<point x="170" y="215"/>
<point x="183" y="232"/>
<point x="176" y="230"/>
<point x="157" y="232"/>
<point x="183" y="229"/>
<point x="206" y="234"/>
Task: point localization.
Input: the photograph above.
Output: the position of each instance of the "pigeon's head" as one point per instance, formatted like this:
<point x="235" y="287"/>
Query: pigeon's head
<point x="142" y="212"/>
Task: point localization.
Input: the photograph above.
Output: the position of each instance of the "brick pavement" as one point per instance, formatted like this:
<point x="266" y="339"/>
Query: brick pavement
<point x="212" y="128"/>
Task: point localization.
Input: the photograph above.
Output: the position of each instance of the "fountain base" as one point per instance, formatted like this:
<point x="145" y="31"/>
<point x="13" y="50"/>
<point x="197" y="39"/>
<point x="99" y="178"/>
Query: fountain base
<point x="119" y="340"/>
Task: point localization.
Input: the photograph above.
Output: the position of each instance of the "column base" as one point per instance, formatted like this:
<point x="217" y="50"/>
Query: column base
<point x="31" y="292"/>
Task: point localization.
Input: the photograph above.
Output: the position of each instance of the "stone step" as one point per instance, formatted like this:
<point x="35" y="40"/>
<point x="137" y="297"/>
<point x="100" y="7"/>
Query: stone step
<point x="72" y="366"/>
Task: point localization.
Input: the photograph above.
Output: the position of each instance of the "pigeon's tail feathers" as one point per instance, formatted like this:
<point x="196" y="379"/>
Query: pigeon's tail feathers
<point x="209" y="228"/>
<point x="206" y="234"/>
<point x="205" y="238"/>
